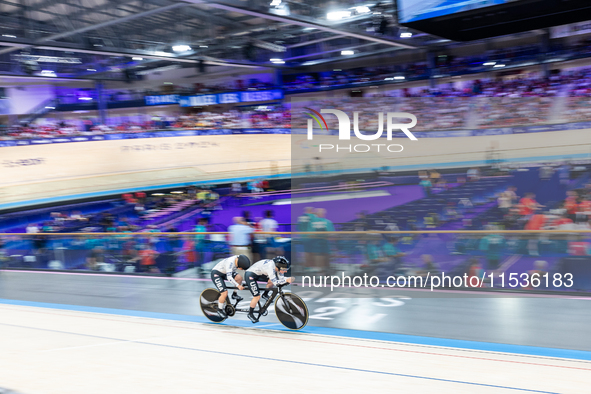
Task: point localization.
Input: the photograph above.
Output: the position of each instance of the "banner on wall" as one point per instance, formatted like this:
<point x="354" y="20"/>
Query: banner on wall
<point x="163" y="99"/>
<point x="229" y="98"/>
<point x="187" y="133"/>
<point x="570" y="29"/>
<point x="203" y="100"/>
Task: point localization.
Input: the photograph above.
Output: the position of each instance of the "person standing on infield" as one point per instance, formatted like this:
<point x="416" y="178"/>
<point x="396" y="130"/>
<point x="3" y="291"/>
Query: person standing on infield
<point x="241" y="237"/>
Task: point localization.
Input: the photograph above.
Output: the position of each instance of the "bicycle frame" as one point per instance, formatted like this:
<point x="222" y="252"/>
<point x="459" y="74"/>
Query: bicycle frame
<point x="262" y="309"/>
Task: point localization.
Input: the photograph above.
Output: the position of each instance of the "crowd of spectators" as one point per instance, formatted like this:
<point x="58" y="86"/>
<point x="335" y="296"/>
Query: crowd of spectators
<point x="267" y="117"/>
<point x="127" y="221"/>
<point x="437" y="113"/>
<point x="501" y="102"/>
<point x="507" y="112"/>
<point x="75" y="221"/>
<point x="526" y="213"/>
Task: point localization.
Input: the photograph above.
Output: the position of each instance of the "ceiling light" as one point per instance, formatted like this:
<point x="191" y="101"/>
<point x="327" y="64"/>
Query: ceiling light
<point x="176" y="192"/>
<point x="157" y="194"/>
<point x="499" y="65"/>
<point x="49" y="107"/>
<point x="399" y="77"/>
<point x="8" y="35"/>
<point x="489" y="63"/>
<point x="338" y="15"/>
<point x="275" y="2"/>
<point x="181" y="48"/>
<point x="362" y="9"/>
<point x="90" y="69"/>
<point x="309" y="28"/>
<point x="406" y="34"/>
<point x="203" y="46"/>
<point x="85" y="98"/>
<point x="347" y="52"/>
<point x="137" y="58"/>
<point x="388" y="79"/>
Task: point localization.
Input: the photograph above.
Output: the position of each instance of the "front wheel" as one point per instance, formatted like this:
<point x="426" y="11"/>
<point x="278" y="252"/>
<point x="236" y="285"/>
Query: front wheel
<point x="208" y="300"/>
<point x="291" y="311"/>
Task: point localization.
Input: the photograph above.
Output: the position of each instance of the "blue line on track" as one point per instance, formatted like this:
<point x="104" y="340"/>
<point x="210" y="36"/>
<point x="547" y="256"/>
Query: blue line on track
<point x="336" y="332"/>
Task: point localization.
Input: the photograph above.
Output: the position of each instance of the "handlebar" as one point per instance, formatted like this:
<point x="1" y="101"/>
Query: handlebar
<point x="288" y="284"/>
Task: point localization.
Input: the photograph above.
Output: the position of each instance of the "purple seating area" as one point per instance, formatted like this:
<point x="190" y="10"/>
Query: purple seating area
<point x="411" y="215"/>
<point x="343" y="211"/>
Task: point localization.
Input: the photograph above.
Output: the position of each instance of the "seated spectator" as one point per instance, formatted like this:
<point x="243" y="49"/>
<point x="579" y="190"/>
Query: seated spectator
<point x="148" y="259"/>
<point x="537" y="273"/>
<point x="32" y="228"/>
<point x="77" y="215"/>
<point x="473" y="174"/>
<point x="429" y="268"/>
<point x="426" y="184"/>
<point x="505" y="202"/>
<point x="571" y="204"/>
<point x="528" y="205"/>
<point x="475" y="270"/>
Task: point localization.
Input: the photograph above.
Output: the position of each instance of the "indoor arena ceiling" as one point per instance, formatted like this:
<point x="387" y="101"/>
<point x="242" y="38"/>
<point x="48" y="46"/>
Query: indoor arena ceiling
<point x="103" y="38"/>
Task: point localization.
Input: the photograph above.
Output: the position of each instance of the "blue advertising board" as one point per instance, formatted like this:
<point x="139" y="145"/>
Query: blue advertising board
<point x="213" y="99"/>
<point x="163" y="99"/>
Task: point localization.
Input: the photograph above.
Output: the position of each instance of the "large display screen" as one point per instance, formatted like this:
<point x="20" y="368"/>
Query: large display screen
<point x="414" y="10"/>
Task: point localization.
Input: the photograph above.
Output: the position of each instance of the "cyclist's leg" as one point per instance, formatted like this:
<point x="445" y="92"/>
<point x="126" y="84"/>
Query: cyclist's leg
<point x="251" y="283"/>
<point x="218" y="280"/>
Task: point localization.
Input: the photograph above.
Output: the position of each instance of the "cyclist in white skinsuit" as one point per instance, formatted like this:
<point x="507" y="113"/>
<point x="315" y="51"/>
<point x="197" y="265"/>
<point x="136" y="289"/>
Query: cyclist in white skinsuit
<point x="226" y="269"/>
<point x="270" y="271"/>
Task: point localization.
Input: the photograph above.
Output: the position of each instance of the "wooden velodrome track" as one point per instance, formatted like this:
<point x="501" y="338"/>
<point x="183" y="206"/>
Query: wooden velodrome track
<point x="46" y="171"/>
